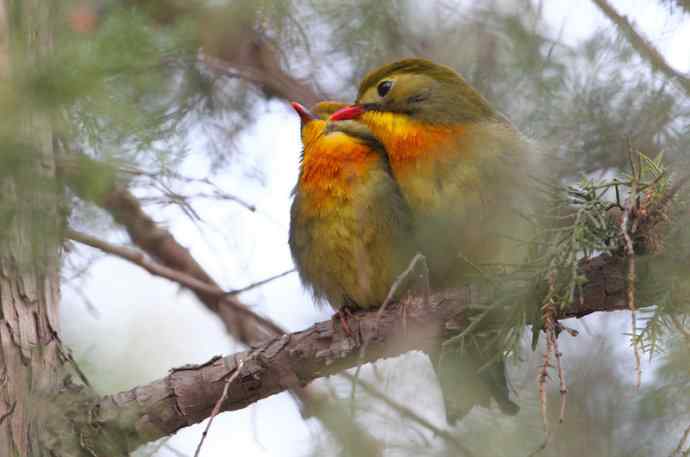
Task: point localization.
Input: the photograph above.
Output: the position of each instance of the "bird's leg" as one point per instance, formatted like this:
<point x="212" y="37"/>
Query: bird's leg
<point x="343" y="314"/>
<point x="403" y="313"/>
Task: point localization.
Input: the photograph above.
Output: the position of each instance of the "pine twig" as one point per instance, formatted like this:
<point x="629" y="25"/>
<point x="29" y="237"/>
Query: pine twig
<point x="628" y="226"/>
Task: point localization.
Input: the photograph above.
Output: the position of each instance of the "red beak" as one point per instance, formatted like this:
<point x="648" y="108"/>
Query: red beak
<point x="349" y="112"/>
<point x="303" y="112"/>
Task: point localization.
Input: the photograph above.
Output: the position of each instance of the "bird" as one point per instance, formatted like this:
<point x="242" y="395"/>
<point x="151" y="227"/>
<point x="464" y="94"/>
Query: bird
<point x="462" y="167"/>
<point x="351" y="231"/>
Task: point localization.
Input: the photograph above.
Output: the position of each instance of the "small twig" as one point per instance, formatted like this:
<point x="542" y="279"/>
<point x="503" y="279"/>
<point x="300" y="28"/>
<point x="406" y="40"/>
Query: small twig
<point x="410" y="414"/>
<point x="256" y="284"/>
<point x="176" y="452"/>
<point x="681" y="444"/>
<point x="628" y="226"/>
<point x="400" y="280"/>
<point x="216" y="407"/>
<point x="88" y="304"/>
<point x="541" y="447"/>
<point x="394" y="289"/>
<point x="157" y="269"/>
<point x="561" y="375"/>
<point x="668" y="195"/>
<point x="681" y="328"/>
<point x="643" y="47"/>
<point x="542" y="377"/>
<point x="171" y="197"/>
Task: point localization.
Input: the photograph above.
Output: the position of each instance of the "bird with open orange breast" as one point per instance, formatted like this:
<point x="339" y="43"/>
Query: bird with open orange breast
<point x="350" y="229"/>
<point x="462" y="167"/>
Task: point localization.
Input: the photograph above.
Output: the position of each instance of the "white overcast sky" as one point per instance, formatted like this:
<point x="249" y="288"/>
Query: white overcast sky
<point x="147" y="326"/>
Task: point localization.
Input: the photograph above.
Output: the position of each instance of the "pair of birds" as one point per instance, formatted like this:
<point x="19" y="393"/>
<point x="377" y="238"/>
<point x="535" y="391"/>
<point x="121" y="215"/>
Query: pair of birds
<point x="419" y="163"/>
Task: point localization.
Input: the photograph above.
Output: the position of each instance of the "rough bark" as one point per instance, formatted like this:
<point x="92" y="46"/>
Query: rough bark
<point x="188" y="394"/>
<point x="31" y="356"/>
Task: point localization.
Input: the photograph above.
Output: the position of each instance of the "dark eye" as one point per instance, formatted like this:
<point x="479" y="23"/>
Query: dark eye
<point x="384" y="87"/>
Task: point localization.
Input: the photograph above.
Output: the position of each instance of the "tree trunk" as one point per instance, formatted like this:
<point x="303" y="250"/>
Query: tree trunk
<point x="31" y="357"/>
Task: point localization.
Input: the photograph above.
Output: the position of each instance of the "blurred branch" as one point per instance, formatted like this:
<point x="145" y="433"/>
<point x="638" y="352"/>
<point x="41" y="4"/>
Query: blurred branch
<point x="173" y="261"/>
<point x="265" y="73"/>
<point x="684" y="5"/>
<point x="408" y="413"/>
<point x="643" y="47"/>
<point x="156" y="269"/>
<point x="678" y="451"/>
<point x="241" y="50"/>
<point x="188" y="394"/>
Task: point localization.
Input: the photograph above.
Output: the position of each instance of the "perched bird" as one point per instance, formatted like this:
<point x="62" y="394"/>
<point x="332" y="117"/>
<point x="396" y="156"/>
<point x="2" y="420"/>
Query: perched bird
<point x="461" y="166"/>
<point x="350" y="229"/>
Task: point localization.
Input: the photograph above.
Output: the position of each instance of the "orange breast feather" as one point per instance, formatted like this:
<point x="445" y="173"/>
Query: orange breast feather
<point x="409" y="142"/>
<point x="333" y="163"/>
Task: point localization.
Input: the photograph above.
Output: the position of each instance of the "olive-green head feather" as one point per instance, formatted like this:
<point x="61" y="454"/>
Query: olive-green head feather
<point x="320" y="112"/>
<point x="325" y="108"/>
<point x="423" y="90"/>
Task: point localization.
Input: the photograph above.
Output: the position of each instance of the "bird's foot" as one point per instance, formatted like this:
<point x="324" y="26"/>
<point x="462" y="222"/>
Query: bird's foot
<point x="343" y="315"/>
<point x="403" y="315"/>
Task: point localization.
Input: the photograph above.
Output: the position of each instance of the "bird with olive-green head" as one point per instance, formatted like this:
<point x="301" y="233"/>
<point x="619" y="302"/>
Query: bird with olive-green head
<point x="350" y="229"/>
<point x="462" y="167"/>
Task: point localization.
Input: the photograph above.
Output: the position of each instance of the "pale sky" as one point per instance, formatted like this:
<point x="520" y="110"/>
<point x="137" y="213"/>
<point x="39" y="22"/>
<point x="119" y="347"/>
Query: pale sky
<point x="147" y="327"/>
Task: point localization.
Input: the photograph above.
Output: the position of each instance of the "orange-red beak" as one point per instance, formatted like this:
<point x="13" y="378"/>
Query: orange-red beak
<point x="349" y="112"/>
<point x="304" y="113"/>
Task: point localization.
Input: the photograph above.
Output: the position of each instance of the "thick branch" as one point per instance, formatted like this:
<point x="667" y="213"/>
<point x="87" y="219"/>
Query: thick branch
<point x="188" y="394"/>
<point x="643" y="47"/>
<point x="159" y="243"/>
<point x="97" y="182"/>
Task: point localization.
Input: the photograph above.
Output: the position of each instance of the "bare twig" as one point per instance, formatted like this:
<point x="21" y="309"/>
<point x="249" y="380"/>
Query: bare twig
<point x="540" y="448"/>
<point x="643" y="47"/>
<point x="418" y="259"/>
<point x="256" y="284"/>
<point x="681" y="328"/>
<point x="400" y="280"/>
<point x="156" y="269"/>
<point x="174" y="451"/>
<point x="410" y="414"/>
<point x="563" y="388"/>
<point x="681" y="444"/>
<point x="216" y="407"/>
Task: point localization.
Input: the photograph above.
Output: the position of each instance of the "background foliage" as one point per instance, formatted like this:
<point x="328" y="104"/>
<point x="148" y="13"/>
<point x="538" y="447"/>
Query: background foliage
<point x="156" y="89"/>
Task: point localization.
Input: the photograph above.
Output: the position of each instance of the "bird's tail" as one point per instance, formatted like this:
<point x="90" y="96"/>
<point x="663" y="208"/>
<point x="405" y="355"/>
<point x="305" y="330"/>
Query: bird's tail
<point x="466" y="380"/>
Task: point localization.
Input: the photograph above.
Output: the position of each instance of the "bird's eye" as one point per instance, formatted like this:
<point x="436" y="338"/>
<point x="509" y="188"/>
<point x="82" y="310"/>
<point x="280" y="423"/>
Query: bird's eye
<point x="384" y="87"/>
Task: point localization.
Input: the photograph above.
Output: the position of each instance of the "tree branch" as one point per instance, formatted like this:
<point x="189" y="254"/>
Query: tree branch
<point x="176" y="261"/>
<point x="242" y="50"/>
<point x="643" y="47"/>
<point x="188" y="394"/>
<point x="98" y="183"/>
<point x="190" y="282"/>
